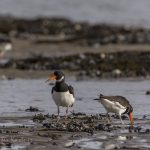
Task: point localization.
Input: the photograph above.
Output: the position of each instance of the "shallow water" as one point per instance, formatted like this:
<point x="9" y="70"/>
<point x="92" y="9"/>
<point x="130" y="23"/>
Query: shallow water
<point x="14" y="147"/>
<point x="114" y="141"/>
<point x="17" y="95"/>
<point x="110" y="11"/>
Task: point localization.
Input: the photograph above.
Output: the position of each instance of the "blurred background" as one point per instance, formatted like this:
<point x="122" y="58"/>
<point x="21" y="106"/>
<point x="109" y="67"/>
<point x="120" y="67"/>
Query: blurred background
<point x="34" y="32"/>
<point x="90" y="40"/>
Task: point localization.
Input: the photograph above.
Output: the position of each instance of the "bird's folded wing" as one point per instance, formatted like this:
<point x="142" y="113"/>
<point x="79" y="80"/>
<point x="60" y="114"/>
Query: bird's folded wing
<point x="71" y="90"/>
<point x="119" y="105"/>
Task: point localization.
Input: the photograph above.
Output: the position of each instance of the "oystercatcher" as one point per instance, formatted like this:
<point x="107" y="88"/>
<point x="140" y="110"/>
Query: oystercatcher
<point x="62" y="94"/>
<point x="116" y="104"/>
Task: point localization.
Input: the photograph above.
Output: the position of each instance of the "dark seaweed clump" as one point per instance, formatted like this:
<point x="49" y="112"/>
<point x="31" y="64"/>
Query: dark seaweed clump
<point x="32" y="109"/>
<point x="80" y="32"/>
<point x="79" y="122"/>
<point x="101" y="65"/>
<point x="76" y="123"/>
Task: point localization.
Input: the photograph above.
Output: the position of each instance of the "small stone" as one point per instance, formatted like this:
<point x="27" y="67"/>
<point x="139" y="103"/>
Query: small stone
<point x="117" y="73"/>
<point x="121" y="138"/>
<point x="147" y="131"/>
<point x="137" y="129"/>
<point x="69" y="144"/>
<point x="130" y="129"/>
<point x="147" y="92"/>
<point x="54" y="143"/>
<point x="102" y="55"/>
<point x="8" y="145"/>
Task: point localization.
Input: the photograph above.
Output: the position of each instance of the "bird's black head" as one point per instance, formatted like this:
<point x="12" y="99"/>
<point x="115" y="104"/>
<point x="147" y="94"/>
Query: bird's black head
<point x="57" y="75"/>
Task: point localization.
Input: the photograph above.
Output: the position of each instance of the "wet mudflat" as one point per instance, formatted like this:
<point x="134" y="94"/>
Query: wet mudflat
<point x="78" y="131"/>
<point x="26" y="127"/>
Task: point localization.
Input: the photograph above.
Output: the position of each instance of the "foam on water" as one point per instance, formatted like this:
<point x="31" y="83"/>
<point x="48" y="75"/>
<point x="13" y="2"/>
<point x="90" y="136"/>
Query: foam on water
<point x="88" y="143"/>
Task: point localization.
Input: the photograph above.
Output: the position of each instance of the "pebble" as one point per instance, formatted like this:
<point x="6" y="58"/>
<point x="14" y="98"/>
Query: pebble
<point x="116" y="72"/>
<point x="69" y="144"/>
<point x="147" y="92"/>
<point x="110" y="147"/>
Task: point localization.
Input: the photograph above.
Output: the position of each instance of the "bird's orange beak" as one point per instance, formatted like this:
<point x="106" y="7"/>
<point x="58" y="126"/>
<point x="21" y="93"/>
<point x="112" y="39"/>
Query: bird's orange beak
<point x="51" y="77"/>
<point x="131" y="119"/>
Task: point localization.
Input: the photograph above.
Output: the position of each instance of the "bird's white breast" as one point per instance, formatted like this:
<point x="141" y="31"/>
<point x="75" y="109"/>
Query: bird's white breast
<point x="113" y="106"/>
<point x="64" y="99"/>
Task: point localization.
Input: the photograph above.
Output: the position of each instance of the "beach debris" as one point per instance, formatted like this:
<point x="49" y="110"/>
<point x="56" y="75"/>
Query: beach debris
<point x="39" y="118"/>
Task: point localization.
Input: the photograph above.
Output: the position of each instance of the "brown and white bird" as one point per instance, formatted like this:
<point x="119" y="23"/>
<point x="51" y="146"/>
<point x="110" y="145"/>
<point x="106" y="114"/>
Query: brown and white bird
<point x="118" y="105"/>
<point x="62" y="94"/>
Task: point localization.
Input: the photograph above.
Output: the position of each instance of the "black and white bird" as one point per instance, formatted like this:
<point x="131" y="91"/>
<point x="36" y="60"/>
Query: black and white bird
<point x="118" y="105"/>
<point x="62" y="94"/>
